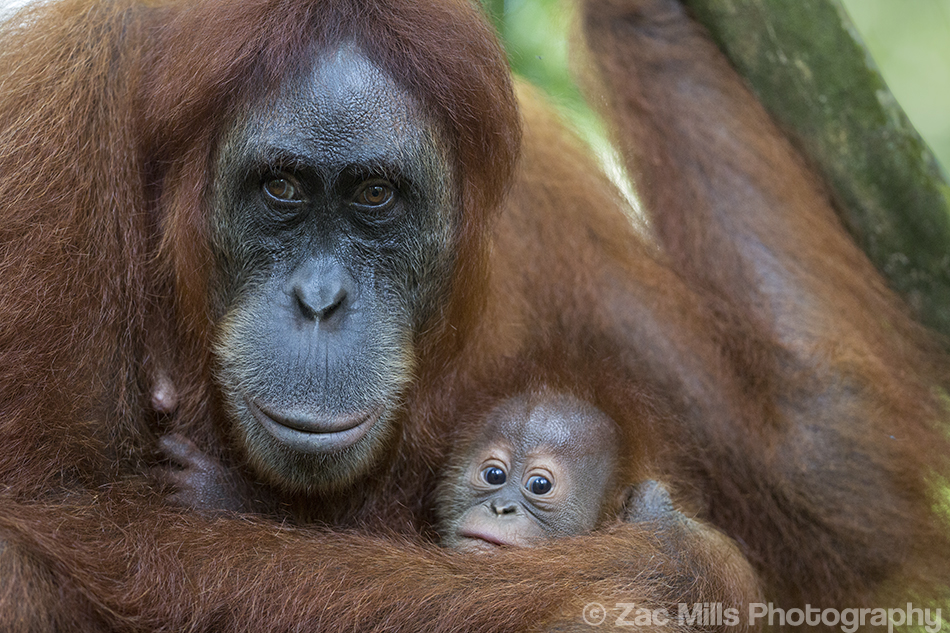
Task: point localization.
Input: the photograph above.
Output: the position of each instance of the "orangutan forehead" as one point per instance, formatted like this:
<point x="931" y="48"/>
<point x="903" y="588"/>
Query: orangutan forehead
<point x="343" y="110"/>
<point x="556" y="421"/>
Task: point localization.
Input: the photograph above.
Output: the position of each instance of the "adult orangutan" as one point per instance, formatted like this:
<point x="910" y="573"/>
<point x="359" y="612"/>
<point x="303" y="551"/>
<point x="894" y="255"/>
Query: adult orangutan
<point x="271" y="225"/>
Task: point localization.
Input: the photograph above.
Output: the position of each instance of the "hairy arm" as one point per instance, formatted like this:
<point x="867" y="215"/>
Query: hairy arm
<point x="142" y="567"/>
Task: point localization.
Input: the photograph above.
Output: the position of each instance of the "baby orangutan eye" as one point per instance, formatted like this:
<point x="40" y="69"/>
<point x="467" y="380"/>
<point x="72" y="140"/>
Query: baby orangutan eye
<point x="494" y="476"/>
<point x="539" y="485"/>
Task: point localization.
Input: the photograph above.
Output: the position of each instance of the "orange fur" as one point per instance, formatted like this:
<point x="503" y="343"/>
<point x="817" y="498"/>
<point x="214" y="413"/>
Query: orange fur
<point x="751" y="353"/>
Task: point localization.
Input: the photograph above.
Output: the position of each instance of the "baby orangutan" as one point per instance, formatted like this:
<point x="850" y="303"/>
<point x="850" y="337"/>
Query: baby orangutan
<point x="539" y="467"/>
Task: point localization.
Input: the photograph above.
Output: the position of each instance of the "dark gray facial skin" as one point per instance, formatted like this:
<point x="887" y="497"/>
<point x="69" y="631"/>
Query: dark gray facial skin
<point x="540" y="469"/>
<point x="332" y="225"/>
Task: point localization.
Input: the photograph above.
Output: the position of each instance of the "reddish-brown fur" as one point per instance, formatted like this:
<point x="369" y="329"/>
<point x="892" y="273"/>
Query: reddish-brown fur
<point x="786" y="396"/>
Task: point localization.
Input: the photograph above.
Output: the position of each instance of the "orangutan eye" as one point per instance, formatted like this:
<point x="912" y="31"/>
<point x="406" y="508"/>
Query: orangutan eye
<point x="494" y="476"/>
<point x="375" y="193"/>
<point x="539" y="485"/>
<point x="282" y="189"/>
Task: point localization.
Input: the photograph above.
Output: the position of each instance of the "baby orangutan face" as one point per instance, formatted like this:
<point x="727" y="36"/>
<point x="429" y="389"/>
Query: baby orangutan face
<point x="540" y="469"/>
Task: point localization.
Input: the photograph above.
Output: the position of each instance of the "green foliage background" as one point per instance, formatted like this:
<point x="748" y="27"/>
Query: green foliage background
<point x="909" y="40"/>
